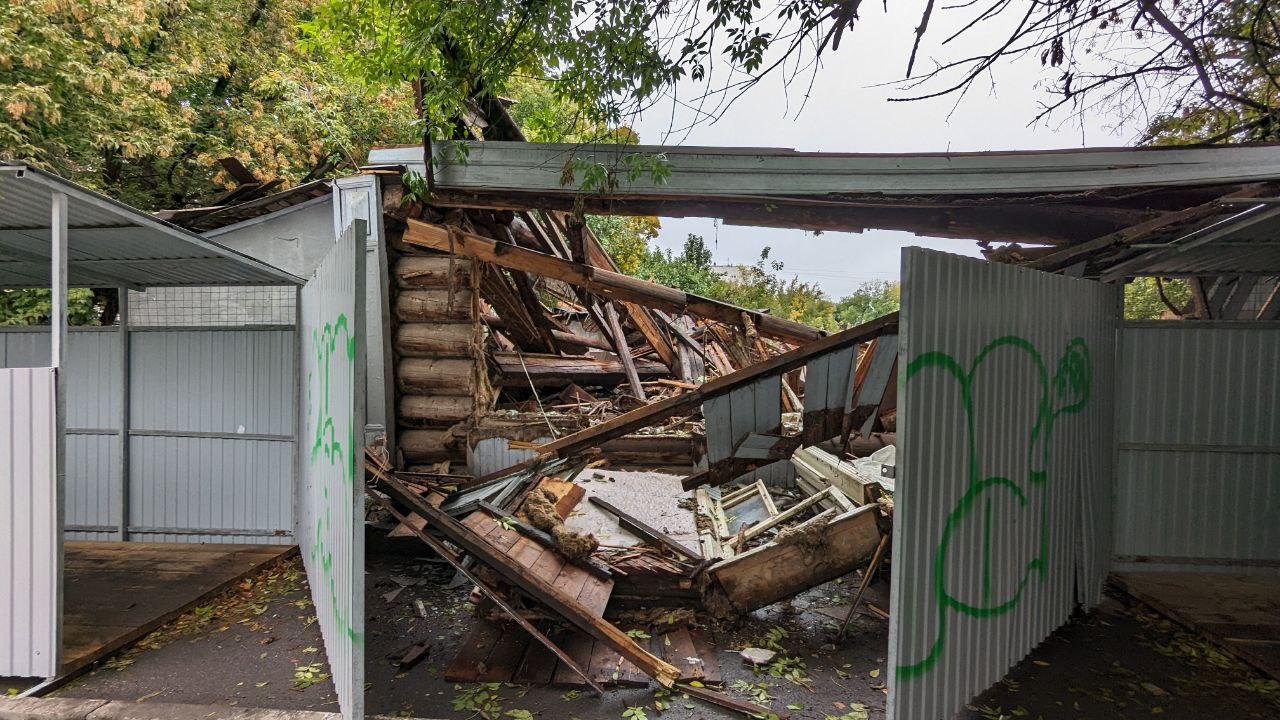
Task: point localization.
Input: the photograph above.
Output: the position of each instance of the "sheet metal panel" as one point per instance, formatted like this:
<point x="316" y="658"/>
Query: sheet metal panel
<point x="1198" y="480"/>
<point x="331" y="488"/>
<point x="493" y="454"/>
<point x="235" y="382"/>
<point x="30" y="566"/>
<point x="1004" y="470"/>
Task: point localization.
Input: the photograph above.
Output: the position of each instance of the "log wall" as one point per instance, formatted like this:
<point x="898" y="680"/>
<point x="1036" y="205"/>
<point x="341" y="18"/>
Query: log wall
<point x="440" y="377"/>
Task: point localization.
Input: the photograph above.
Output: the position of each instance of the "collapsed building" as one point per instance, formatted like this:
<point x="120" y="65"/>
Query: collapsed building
<point x="576" y="442"/>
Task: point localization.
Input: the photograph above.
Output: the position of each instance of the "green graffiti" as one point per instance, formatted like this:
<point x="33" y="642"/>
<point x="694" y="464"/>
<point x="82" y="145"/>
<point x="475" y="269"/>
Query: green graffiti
<point x="333" y="342"/>
<point x="1066" y="393"/>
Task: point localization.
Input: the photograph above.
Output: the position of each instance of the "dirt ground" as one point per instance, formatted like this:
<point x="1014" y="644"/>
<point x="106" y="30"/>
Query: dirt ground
<point x="260" y="646"/>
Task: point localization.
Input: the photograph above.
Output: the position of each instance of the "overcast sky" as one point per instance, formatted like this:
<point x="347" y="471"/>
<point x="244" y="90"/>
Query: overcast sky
<point x="845" y="112"/>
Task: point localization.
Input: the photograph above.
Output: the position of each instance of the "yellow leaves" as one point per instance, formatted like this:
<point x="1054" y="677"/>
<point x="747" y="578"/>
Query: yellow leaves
<point x="17" y="109"/>
<point x="162" y="86"/>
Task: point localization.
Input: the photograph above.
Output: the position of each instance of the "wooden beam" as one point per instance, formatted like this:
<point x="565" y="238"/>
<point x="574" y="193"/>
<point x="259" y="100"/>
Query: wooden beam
<point x="546" y="369"/>
<point x="688" y="402"/>
<point x="542" y="591"/>
<point x="602" y="282"/>
<point x="1141" y="231"/>
<point x="624" y="351"/>
<point x="453" y="559"/>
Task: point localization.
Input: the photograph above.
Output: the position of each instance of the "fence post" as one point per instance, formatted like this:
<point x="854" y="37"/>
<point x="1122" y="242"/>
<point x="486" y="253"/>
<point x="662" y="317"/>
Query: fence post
<point x="126" y="376"/>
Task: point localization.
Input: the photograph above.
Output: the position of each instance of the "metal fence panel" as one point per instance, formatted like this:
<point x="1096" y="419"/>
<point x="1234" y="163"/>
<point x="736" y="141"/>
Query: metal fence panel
<point x="331" y="489"/>
<point x="1198" y="479"/>
<point x="1004" y="470"/>
<point x="212" y="431"/>
<point x="29" y="524"/>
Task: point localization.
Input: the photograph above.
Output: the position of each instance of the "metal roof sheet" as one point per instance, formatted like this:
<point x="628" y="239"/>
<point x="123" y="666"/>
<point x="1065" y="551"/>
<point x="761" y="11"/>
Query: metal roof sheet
<point x="109" y="243"/>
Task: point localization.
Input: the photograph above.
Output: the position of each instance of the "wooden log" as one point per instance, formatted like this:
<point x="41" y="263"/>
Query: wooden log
<point x="435" y="409"/>
<point x="434" y="306"/>
<point x="556" y="370"/>
<point x="432" y="271"/>
<point x="439" y="376"/>
<point x="423" y="446"/>
<point x="603" y="282"/>
<point x="433" y="340"/>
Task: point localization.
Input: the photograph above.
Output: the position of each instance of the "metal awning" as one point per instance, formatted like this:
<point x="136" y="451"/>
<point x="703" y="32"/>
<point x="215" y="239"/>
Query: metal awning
<point x="109" y="244"/>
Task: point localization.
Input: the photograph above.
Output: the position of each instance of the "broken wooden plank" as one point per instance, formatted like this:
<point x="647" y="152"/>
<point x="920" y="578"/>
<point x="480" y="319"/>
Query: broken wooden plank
<point x="690" y="401"/>
<point x="764" y="575"/>
<point x="542" y="369"/>
<point x="544" y="592"/>
<point x="602" y="282"/>
<point x="623" y="351"/>
<point x="418" y="505"/>
<point x="644" y="530"/>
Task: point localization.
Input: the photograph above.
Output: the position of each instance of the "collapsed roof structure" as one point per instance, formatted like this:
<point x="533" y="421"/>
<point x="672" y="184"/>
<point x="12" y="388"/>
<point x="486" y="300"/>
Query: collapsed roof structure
<point x="506" y="321"/>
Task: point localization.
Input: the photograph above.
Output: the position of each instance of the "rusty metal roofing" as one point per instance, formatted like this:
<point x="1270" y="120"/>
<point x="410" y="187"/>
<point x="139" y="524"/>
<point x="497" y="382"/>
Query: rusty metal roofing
<point x="109" y="243"/>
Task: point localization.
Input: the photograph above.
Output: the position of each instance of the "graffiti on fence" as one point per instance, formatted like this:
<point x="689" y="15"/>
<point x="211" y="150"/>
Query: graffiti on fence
<point x="334" y="347"/>
<point x="1066" y="392"/>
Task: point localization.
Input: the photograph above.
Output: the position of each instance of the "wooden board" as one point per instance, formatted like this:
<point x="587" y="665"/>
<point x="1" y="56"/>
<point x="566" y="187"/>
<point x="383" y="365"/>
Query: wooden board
<point x="1241" y="613"/>
<point x="767" y="574"/>
<point x="118" y="592"/>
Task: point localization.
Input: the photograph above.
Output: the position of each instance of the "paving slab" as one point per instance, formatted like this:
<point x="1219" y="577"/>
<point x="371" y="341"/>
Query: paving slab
<point x="47" y="708"/>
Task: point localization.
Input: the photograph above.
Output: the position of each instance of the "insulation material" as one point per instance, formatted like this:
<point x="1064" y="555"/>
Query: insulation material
<point x="331" y="489"/>
<point x="1005" y="470"/>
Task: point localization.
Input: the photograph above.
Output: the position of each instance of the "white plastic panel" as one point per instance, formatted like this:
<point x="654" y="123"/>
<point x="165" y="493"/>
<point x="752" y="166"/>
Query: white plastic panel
<point x="1004" y="470"/>
<point x="30" y="548"/>
<point x="331" y="485"/>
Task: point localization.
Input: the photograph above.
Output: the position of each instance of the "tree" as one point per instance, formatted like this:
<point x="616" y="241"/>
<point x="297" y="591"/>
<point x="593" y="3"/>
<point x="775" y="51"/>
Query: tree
<point x="871" y="300"/>
<point x="33" y="307"/>
<point x="140" y="98"/>
<point x="1143" y="301"/>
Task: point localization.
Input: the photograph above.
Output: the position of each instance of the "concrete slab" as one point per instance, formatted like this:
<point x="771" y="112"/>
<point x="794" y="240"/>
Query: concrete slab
<point x="652" y="497"/>
<point x="47" y="708"/>
<point x="58" y="708"/>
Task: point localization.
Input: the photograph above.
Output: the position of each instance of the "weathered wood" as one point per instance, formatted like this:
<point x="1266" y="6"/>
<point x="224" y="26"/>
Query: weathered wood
<point x="432" y="271"/>
<point x="644" y="530"/>
<point x="440" y="376"/>
<point x="624" y="351"/>
<point x="603" y="282"/>
<point x="569" y="608"/>
<point x="764" y="575"/>
<point x="870" y="575"/>
<point x="545" y="369"/>
<point x="427" y="445"/>
<point x="688" y="402"/>
<point x="434" y="306"/>
<point x="421" y="409"/>
<point x="449" y="556"/>
<point x="433" y="340"/>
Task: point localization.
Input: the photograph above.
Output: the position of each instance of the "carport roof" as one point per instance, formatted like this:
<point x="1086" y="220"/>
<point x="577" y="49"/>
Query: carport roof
<point x="109" y="244"/>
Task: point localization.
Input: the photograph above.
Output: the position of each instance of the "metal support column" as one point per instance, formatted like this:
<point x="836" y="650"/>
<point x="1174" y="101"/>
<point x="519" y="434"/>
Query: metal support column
<point x="57" y="349"/>
<point x="126" y="377"/>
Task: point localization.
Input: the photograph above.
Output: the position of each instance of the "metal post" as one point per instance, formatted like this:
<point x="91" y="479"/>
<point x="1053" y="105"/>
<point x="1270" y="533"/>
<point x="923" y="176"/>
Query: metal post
<point x="300" y="413"/>
<point x="126" y="382"/>
<point x="57" y="347"/>
<point x="58" y="279"/>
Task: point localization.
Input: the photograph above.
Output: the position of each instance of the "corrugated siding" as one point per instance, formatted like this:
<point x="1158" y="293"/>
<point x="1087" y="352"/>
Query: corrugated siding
<point x="754" y="408"/>
<point x="1198" y="481"/>
<point x="494" y="454"/>
<point x="29" y="563"/>
<point x="184" y="383"/>
<point x="1004" y="470"/>
<point x="331" y="490"/>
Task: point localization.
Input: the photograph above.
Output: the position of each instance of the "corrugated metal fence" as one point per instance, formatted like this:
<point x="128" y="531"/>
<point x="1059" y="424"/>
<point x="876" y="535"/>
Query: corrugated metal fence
<point x="29" y="548"/>
<point x="1004" y="468"/>
<point x="1198" y="479"/>
<point x="331" y="488"/>
<point x="211" y="438"/>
